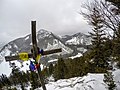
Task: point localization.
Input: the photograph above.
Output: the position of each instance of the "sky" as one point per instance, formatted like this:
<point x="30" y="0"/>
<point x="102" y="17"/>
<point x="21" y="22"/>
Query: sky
<point x="58" y="16"/>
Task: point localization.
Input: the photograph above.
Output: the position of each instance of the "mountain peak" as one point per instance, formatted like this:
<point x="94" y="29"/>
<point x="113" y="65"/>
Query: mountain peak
<point x="79" y="34"/>
<point x="43" y="31"/>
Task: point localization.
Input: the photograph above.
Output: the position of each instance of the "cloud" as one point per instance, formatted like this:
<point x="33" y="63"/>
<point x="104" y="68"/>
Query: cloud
<point x="58" y="16"/>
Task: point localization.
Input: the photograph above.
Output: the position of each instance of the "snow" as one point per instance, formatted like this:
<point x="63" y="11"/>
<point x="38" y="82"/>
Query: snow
<point x="24" y="66"/>
<point x="9" y="46"/>
<point x="27" y="87"/>
<point x="89" y="82"/>
<point x="81" y="49"/>
<point x="43" y="33"/>
<point x="64" y="49"/>
<point x="6" y="51"/>
<point x="74" y="41"/>
<point x="57" y="44"/>
<point x="27" y="38"/>
<point x="78" y="55"/>
<point x="92" y="81"/>
<point x="88" y="41"/>
<point x="55" y="60"/>
<point x="79" y="40"/>
<point x="116" y="74"/>
<point x="42" y="66"/>
<point x="5" y="68"/>
<point x="31" y="43"/>
<point x="82" y="41"/>
<point x="15" y="46"/>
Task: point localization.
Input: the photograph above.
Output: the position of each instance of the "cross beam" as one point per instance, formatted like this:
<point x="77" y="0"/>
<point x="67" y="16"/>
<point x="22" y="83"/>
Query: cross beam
<point x="34" y="53"/>
<point x="30" y="55"/>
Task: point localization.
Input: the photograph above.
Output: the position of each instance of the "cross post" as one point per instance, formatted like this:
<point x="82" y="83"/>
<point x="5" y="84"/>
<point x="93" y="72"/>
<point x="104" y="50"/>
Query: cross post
<point x="35" y="53"/>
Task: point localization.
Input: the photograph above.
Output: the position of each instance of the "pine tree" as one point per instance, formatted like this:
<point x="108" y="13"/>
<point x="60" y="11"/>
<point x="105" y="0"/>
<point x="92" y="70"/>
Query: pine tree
<point x="4" y="81"/>
<point x="33" y="85"/>
<point x="116" y="40"/>
<point x="116" y="45"/>
<point x="108" y="79"/>
<point x="1" y="84"/>
<point x="18" y="77"/>
<point x="116" y="3"/>
<point x="34" y="80"/>
<point x="45" y="73"/>
<point x="51" y="69"/>
<point x="60" y="71"/>
<point x="108" y="47"/>
<point x="98" y="39"/>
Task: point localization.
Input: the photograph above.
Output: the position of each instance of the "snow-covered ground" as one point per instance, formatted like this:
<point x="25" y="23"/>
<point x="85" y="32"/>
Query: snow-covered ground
<point x="88" y="82"/>
<point x="55" y="60"/>
<point x="116" y="74"/>
<point x="78" y="55"/>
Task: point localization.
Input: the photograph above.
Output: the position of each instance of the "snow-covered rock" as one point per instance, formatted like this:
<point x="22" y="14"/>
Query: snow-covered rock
<point x="89" y="82"/>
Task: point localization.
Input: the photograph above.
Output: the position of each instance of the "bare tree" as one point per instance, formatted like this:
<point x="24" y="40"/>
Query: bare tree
<point x="110" y="20"/>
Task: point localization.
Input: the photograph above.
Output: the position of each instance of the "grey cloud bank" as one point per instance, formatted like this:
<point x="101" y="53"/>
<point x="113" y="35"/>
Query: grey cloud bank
<point x="58" y="16"/>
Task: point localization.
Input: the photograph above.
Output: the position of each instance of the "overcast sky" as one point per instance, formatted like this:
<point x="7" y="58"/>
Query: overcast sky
<point x="58" y="16"/>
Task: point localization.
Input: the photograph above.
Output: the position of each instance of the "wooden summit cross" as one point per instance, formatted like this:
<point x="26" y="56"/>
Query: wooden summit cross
<point x="34" y="53"/>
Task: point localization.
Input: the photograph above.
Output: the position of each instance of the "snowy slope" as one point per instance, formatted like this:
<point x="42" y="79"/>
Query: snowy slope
<point x="92" y="81"/>
<point x="5" y="68"/>
<point x="116" y="74"/>
<point x="89" y="82"/>
<point x="78" y="39"/>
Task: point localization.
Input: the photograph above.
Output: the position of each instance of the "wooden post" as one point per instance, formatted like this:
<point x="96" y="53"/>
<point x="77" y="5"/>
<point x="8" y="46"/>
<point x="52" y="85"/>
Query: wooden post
<point x="35" y="53"/>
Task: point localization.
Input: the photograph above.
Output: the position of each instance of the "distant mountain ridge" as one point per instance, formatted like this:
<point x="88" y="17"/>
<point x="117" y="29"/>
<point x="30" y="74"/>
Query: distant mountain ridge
<point x="1" y="45"/>
<point x="70" y="44"/>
